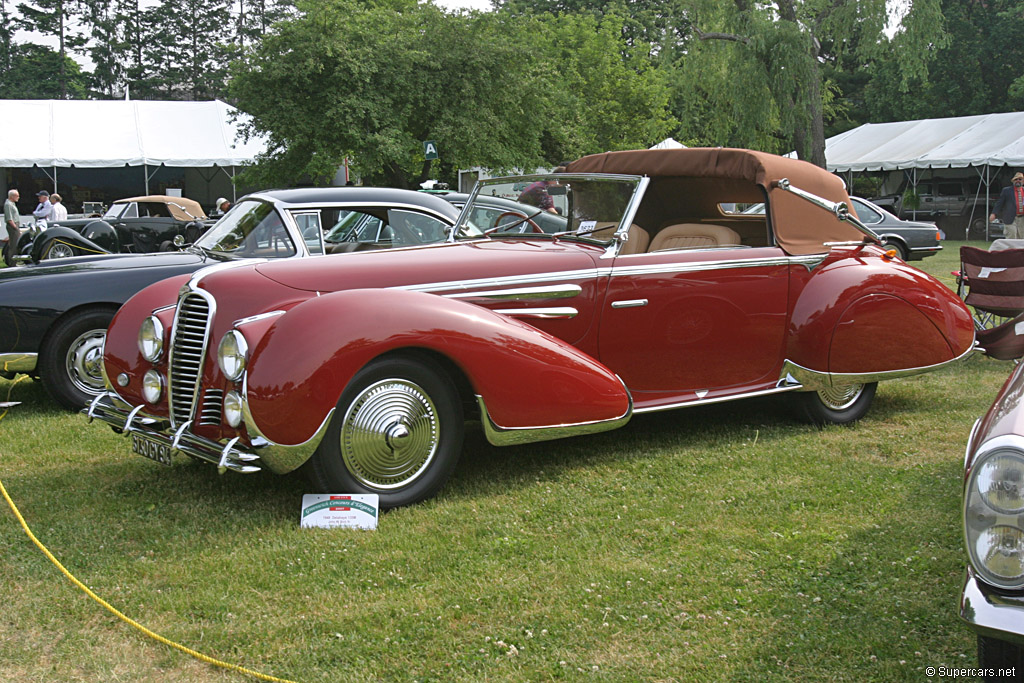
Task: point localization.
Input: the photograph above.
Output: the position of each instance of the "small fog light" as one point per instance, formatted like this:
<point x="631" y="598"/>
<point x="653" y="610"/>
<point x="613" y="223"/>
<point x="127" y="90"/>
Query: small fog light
<point x="152" y="386"/>
<point x="233" y="409"/>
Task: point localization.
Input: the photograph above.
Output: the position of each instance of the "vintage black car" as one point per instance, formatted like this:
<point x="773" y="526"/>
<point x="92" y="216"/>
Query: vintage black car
<point x="54" y="315"/>
<point x="135" y="225"/>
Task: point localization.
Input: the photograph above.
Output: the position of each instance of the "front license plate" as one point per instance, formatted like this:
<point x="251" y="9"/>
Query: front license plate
<point x="151" y="449"/>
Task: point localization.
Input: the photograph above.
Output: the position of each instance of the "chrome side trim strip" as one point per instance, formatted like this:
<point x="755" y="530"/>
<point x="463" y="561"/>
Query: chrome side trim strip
<point x="18" y="362"/>
<point x="546" y="313"/>
<point x="466" y="286"/>
<point x="522" y="293"/>
<point x="815" y="379"/>
<point x="254" y="318"/>
<point x="718" y="399"/>
<point x="512" y="436"/>
<point x="631" y="303"/>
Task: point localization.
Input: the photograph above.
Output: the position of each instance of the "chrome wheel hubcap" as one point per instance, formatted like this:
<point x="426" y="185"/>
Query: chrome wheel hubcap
<point x="390" y="434"/>
<point x="84" y="361"/>
<point x="59" y="251"/>
<point x="841" y="397"/>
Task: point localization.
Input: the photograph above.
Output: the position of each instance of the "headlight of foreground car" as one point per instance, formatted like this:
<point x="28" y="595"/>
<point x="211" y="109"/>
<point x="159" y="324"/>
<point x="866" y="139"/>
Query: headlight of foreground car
<point x="231" y="355"/>
<point x="233" y="409"/>
<point x="994" y="518"/>
<point x="152" y="386"/>
<point x="151" y="339"/>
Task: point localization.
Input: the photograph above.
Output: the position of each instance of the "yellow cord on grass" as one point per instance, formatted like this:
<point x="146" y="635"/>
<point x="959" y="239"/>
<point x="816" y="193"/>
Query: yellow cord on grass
<point x="113" y="610"/>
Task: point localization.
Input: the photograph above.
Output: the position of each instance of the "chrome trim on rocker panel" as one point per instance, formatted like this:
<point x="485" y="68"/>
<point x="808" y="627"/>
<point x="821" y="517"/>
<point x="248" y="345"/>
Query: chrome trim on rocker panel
<point x="279" y="458"/>
<point x="701" y="401"/>
<point x="523" y="293"/>
<point x="512" y="436"/>
<point x="795" y="375"/>
<point x="18" y="362"/>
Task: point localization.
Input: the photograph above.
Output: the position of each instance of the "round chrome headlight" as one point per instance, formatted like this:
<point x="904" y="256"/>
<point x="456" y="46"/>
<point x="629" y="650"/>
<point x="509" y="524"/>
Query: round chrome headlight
<point x="152" y="386"/>
<point x="151" y="339"/>
<point x="233" y="408"/>
<point x="994" y="518"/>
<point x="231" y="355"/>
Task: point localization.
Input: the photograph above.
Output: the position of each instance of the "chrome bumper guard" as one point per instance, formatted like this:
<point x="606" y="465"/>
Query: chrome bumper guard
<point x="127" y="419"/>
<point x="992" y="613"/>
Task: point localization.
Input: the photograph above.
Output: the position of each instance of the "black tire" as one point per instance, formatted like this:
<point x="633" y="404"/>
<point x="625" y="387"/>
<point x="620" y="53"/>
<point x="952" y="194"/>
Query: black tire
<point x="901" y="251"/>
<point x="397" y="432"/>
<point x="70" y="359"/>
<point x="838" y="405"/>
<point x="167" y="245"/>
<point x="999" y="655"/>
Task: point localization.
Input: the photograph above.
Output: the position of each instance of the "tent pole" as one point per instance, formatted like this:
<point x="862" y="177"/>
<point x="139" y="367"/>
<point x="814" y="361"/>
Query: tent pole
<point x="55" y="179"/>
<point x="145" y="174"/>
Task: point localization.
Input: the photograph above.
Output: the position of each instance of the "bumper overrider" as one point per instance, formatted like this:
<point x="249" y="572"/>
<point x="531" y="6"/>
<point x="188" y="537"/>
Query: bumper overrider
<point x="230" y="454"/>
<point x="991" y="612"/>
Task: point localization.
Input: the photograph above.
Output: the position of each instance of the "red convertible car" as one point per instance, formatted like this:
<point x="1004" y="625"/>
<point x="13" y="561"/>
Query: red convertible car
<point x="658" y="293"/>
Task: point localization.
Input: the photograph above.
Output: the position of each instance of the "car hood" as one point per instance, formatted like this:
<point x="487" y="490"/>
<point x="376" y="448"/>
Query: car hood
<point x="105" y="262"/>
<point x="450" y="266"/>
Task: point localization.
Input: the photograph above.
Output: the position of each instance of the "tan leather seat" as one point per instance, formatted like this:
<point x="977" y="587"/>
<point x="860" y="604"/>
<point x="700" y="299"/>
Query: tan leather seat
<point x="636" y="244"/>
<point x="694" y="236"/>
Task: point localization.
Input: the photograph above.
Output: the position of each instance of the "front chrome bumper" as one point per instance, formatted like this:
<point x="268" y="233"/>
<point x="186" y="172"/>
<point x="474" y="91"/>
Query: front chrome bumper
<point x="992" y="613"/>
<point x="127" y="419"/>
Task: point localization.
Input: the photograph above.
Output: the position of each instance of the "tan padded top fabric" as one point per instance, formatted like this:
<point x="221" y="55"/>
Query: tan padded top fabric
<point x="182" y="208"/>
<point x="800" y="227"/>
<point x="694" y="235"/>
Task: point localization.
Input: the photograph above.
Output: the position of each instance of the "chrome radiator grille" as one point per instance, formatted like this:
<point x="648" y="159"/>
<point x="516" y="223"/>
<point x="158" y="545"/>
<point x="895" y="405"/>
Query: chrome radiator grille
<point x="188" y="348"/>
<point x="210" y="410"/>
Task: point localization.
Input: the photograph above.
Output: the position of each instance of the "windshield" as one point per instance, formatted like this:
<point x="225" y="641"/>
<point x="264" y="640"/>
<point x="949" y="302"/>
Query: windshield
<point x="114" y="212"/>
<point x="560" y="204"/>
<point x="249" y="229"/>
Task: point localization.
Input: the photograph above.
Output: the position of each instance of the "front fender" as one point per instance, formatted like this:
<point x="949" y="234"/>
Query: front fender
<point x="527" y="378"/>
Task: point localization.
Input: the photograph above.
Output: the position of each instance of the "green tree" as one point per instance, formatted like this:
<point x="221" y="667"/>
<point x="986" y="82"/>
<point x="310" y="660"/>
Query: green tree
<point x="372" y="80"/>
<point x="55" y="18"/>
<point x="31" y="75"/>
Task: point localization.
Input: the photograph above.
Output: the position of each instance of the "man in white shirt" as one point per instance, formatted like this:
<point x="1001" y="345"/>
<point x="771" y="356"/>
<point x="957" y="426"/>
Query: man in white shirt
<point x="60" y="212"/>
<point x="44" y="210"/>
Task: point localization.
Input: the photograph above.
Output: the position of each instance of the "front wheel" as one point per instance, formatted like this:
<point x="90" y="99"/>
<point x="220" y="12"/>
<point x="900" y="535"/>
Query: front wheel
<point x="70" y="362"/>
<point x="397" y="432"/>
<point x="900" y="249"/>
<point x="841" y="404"/>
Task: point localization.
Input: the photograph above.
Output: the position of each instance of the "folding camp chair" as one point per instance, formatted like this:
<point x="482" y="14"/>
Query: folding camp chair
<point x="992" y="284"/>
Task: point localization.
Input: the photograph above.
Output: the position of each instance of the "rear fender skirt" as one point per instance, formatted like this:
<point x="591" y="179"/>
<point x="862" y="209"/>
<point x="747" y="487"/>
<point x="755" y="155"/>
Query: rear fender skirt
<point x="528" y="379"/>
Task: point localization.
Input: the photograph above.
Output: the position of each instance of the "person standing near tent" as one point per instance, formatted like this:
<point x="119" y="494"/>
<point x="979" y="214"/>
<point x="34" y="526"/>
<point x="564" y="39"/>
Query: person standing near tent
<point x="12" y="221"/>
<point x="60" y="212"/>
<point x="1009" y="208"/>
<point x="43" y="210"/>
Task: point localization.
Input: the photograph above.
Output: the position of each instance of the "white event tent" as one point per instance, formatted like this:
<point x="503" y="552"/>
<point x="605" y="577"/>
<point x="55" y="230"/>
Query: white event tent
<point x="55" y="134"/>
<point x="966" y="141"/>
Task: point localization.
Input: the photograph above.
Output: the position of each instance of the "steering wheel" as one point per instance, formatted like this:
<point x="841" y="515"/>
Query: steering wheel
<point x="515" y="214"/>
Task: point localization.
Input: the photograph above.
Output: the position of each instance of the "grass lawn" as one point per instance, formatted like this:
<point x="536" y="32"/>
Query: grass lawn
<point x="719" y="543"/>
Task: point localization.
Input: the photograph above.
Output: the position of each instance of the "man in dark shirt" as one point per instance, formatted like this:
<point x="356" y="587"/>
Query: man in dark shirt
<point x="1009" y="208"/>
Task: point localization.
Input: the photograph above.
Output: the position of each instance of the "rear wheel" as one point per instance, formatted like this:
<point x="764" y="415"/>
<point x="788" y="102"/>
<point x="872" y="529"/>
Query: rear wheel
<point x="840" y="404"/>
<point x="70" y="363"/>
<point x="397" y="432"/>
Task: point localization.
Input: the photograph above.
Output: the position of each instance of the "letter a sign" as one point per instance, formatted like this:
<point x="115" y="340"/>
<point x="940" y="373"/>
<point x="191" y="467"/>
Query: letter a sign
<point x="429" y="150"/>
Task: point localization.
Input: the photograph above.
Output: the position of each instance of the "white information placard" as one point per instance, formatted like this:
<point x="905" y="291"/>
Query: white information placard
<point x="340" y="510"/>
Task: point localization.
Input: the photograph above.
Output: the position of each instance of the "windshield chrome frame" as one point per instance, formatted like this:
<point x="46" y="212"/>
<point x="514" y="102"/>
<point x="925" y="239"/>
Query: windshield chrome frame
<point x="631" y="207"/>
